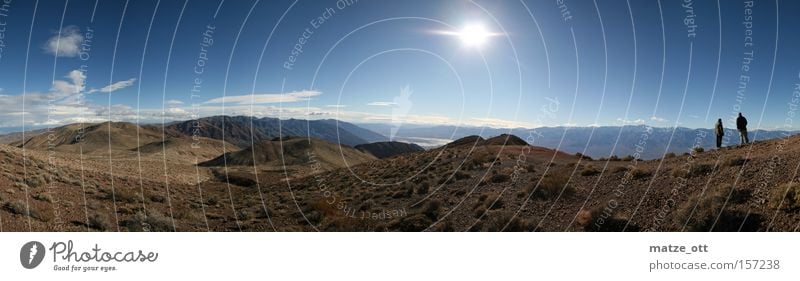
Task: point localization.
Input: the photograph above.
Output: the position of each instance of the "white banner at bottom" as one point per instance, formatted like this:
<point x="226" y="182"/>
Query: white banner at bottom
<point x="398" y="256"/>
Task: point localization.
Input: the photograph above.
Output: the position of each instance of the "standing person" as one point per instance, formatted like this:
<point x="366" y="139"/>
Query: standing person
<point x="720" y="131"/>
<point x="741" y="125"/>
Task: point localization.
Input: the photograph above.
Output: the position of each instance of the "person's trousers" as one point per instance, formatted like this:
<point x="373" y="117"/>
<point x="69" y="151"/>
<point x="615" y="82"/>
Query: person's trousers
<point x="719" y="141"/>
<point x="743" y="139"/>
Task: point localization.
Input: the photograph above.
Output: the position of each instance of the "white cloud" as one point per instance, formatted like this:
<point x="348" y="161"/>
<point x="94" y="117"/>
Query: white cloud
<point x="265" y="98"/>
<point x="66" y="44"/>
<point x="630" y="122"/>
<point x="116" y="86"/>
<point x="498" y="123"/>
<point x="76" y="85"/>
<point x="657" y="119"/>
<point x="382" y="103"/>
<point x="329" y="105"/>
<point x="173" y="103"/>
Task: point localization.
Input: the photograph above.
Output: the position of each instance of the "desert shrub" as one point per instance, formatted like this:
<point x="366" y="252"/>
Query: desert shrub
<point x="158" y="198"/>
<point x="423" y="188"/>
<point x="500" y="178"/>
<point x="670" y="155"/>
<point x="601" y="218"/>
<point x="734" y="195"/>
<point x="366" y="205"/>
<point x="461" y="175"/>
<point x="708" y="209"/>
<point x="35" y="181"/>
<point x="498" y="221"/>
<point x="493" y="202"/>
<point x="446" y="179"/>
<point x="699" y="170"/>
<point x="698" y="149"/>
<point x="582" y="156"/>
<point x="619" y="169"/>
<point x="639" y="173"/>
<point x="589" y="170"/>
<point x="431" y="209"/>
<point x="20" y="208"/>
<point x="121" y="195"/>
<point x="43" y="197"/>
<point x="734" y="161"/>
<point x="785" y="197"/>
<point x="100" y="222"/>
<point x="417" y="222"/>
<point x="628" y="158"/>
<point x="344" y="223"/>
<point x="613" y="158"/>
<point x="551" y="185"/>
<point x="153" y="221"/>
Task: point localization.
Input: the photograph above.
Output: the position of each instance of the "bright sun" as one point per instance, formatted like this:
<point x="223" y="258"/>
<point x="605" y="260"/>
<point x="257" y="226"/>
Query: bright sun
<point x="474" y="35"/>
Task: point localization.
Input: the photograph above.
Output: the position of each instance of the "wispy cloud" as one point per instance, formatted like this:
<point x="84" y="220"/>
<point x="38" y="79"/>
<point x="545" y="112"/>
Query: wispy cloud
<point x="382" y="103"/>
<point x="335" y="106"/>
<point x="116" y="86"/>
<point x="265" y="98"/>
<point x="66" y="44"/>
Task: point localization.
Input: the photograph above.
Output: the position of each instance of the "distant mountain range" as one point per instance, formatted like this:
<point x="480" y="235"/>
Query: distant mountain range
<point x="592" y="141"/>
<point x="595" y="142"/>
<point x="244" y="130"/>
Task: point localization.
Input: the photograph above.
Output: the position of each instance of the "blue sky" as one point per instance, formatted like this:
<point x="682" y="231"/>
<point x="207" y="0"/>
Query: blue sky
<point x="541" y="64"/>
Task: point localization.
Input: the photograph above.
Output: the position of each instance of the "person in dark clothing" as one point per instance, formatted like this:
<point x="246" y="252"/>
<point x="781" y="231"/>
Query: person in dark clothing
<point x="720" y="131"/>
<point x="741" y="125"/>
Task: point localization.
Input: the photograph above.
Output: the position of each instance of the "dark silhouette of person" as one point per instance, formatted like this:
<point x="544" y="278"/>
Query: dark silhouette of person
<point x="741" y="125"/>
<point x="720" y="131"/>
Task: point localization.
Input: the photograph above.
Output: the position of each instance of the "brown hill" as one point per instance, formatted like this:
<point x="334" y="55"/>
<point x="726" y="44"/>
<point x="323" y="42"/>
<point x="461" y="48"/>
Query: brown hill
<point x="186" y="150"/>
<point x="389" y="148"/>
<point x="292" y="151"/>
<point x="92" y="138"/>
<point x="468" y="140"/>
<point x="505" y="139"/>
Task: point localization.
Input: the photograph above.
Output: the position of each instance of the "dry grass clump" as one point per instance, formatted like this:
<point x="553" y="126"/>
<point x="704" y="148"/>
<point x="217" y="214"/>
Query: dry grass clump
<point x="705" y="213"/>
<point x="734" y="161"/>
<point x="639" y="173"/>
<point x="693" y="170"/>
<point x="506" y="221"/>
<point x="20" y="208"/>
<point x="43" y="197"/>
<point x="100" y="222"/>
<point x="785" y="197"/>
<point x="153" y="221"/>
<point x="551" y="185"/>
<point x="500" y="178"/>
<point x="589" y="170"/>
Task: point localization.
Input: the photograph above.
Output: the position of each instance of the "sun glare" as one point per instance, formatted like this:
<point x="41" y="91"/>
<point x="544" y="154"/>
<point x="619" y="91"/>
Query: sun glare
<point x="474" y="35"/>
